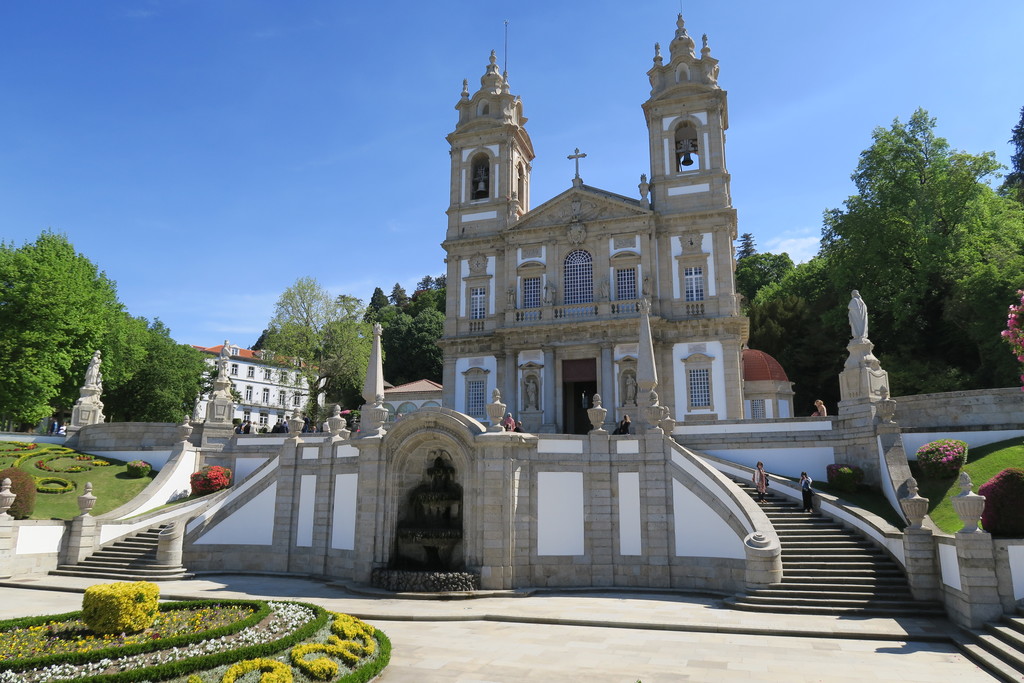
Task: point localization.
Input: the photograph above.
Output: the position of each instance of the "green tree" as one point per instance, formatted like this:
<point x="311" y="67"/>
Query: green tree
<point x="398" y="296"/>
<point x="378" y="301"/>
<point x="410" y="345"/>
<point x="746" y="247"/>
<point x="330" y="337"/>
<point x="757" y="270"/>
<point x="56" y="308"/>
<point x="1014" y="183"/>
<point x="165" y="387"/>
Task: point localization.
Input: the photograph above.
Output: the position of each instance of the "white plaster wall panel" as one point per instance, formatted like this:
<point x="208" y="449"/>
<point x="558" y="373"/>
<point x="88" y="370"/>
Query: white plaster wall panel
<point x="37" y="539"/>
<point x="746" y="409"/>
<point x="251" y="524"/>
<point x="155" y="458"/>
<point x="462" y="183"/>
<point x="463" y="294"/>
<point x="701" y="116"/>
<point x="666" y="123"/>
<point x="630" y="538"/>
<point x="466" y="153"/>
<point x="560" y="513"/>
<point x="718" y="397"/>
<point x="236" y="492"/>
<point x="246" y="466"/>
<point x="913" y="441"/>
<point x="343" y="522"/>
<point x="677" y="250"/>
<point x="1016" y="558"/>
<point x="178" y="485"/>
<point x="688" y="189"/>
<point x="541" y="259"/>
<point x="787" y="462"/>
<point x="748" y="428"/>
<point x="950" y="565"/>
<point x="626" y="350"/>
<point x="261" y="440"/>
<point x="488" y="363"/>
<point x="574" y="446"/>
<point x="886" y="483"/>
<point x="479" y="216"/>
<point x="699" y="531"/>
<point x="307" y="504"/>
<point x="627" y="446"/>
<point x="784" y="410"/>
<point x="123" y="528"/>
<point x="712" y="283"/>
<point x="346" y="451"/>
<point x="491" y="261"/>
<point x="702" y="478"/>
<point x="668" y="156"/>
<point x="310" y="452"/>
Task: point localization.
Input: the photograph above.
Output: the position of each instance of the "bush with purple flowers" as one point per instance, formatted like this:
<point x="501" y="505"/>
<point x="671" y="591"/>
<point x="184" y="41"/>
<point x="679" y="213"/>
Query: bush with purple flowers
<point x="1004" y="503"/>
<point x="942" y="459"/>
<point x="845" y="477"/>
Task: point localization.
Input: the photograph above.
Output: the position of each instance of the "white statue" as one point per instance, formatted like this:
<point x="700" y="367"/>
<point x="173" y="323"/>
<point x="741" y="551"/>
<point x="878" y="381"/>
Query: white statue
<point x="93" y="377"/>
<point x="858" y="313"/>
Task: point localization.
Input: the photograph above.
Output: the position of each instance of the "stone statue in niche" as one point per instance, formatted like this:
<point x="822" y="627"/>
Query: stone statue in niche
<point x="630" y="393"/>
<point x="603" y="288"/>
<point x="510" y="295"/>
<point x="531" y="394"/>
<point x="549" y="294"/>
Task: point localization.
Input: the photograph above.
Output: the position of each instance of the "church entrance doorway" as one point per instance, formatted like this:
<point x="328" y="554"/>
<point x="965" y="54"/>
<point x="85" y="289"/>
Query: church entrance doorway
<point x="579" y="384"/>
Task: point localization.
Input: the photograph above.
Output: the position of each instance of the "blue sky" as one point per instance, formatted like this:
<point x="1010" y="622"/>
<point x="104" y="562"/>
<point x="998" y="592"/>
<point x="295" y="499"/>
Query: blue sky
<point x="207" y="153"/>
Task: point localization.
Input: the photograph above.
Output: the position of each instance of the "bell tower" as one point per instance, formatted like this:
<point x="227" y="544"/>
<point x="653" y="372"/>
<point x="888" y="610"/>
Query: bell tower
<point x="687" y="116"/>
<point x="491" y="157"/>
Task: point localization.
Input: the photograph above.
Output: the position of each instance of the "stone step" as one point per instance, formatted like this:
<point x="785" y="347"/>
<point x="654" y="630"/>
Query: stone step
<point x="805" y="584"/>
<point x="839" y="601"/>
<point x="125" y="552"/>
<point x="1006" y="651"/>
<point x="1016" y="623"/>
<point x="134" y="575"/>
<point x="986" y="660"/>
<point x="832" y="595"/>
<point x="97" y="560"/>
<point x="844" y="575"/>
<point x="834" y="562"/>
<point x="860" y="610"/>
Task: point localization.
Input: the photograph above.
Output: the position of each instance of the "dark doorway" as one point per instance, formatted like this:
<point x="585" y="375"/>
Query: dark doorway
<point x="579" y="384"/>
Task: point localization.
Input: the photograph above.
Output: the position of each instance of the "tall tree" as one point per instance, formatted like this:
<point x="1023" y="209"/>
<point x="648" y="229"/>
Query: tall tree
<point x="410" y="345"/>
<point x="398" y="296"/>
<point x="746" y="247"/>
<point x="757" y="270"/>
<point x="330" y="337"/>
<point x="1014" y="183"/>
<point x="378" y="301"/>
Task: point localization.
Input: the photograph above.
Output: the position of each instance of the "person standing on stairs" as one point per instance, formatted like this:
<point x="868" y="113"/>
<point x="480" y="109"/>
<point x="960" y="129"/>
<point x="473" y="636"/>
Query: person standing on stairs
<point x="760" y="481"/>
<point x="806" y="492"/>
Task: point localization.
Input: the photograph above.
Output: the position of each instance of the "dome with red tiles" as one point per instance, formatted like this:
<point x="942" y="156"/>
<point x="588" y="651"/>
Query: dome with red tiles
<point x="759" y="366"/>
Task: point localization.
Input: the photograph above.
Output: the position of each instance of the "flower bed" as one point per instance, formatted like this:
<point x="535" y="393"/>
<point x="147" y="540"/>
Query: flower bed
<point x="197" y="641"/>
<point x="942" y="458"/>
<point x="54" y="485"/>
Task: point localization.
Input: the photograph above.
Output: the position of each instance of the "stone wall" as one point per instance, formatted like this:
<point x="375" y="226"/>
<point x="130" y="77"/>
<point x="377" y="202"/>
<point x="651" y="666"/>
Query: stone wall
<point x="980" y="410"/>
<point x="125" y="436"/>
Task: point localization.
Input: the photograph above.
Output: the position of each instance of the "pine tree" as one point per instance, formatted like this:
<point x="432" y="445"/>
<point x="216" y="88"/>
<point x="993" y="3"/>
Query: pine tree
<point x="746" y="247"/>
<point x="1014" y="183"/>
<point x="398" y="296"/>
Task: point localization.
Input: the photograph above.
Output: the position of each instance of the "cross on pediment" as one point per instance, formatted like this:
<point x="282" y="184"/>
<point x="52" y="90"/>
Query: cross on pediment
<point x="576" y="157"/>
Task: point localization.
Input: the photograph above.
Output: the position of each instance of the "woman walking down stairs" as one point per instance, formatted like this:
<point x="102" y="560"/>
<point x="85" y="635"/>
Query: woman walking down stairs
<point x="829" y="569"/>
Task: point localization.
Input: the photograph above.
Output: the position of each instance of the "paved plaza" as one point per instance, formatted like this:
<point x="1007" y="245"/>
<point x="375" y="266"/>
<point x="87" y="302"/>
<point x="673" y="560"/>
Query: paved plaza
<point x="585" y="636"/>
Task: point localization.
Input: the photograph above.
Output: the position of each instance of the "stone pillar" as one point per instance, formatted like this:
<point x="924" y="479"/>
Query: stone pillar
<point x="169" y="544"/>
<point x="6" y="546"/>
<point x="81" y="540"/>
<point x="511" y="383"/>
<point x="922" y="568"/>
<point x="980" y="601"/>
<point x="607" y="386"/>
<point x="764" y="560"/>
<point x="548" y="390"/>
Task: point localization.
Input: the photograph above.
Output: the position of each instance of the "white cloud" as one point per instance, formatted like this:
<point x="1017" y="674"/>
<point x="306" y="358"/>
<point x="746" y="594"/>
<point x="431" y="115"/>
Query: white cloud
<point x="801" y="245"/>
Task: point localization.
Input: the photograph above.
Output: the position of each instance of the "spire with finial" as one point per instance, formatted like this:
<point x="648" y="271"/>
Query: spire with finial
<point x="682" y="43"/>
<point x="465" y="88"/>
<point x="657" y="54"/>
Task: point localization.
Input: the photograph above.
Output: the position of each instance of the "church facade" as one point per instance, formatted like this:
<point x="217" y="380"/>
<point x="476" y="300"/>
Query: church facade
<point x="543" y="301"/>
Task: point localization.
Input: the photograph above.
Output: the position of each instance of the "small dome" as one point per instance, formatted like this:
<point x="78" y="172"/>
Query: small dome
<point x="759" y="366"/>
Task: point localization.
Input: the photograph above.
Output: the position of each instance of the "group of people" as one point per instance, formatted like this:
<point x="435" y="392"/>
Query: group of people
<point x="760" y="480"/>
<point x="510" y="424"/>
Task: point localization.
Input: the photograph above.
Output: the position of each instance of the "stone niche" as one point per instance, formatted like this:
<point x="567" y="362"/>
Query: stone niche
<point x="429" y="533"/>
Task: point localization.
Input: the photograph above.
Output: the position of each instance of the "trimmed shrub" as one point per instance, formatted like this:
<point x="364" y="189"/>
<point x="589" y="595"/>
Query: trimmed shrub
<point x="942" y="458"/>
<point x="273" y="671"/>
<point x="23" y="485"/>
<point x="1004" y="503"/>
<point x="209" y="479"/>
<point x="137" y="469"/>
<point x="845" y="477"/>
<point x="122" y="607"/>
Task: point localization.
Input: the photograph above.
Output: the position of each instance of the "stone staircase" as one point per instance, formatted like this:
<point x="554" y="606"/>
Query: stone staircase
<point x="829" y="569"/>
<point x="998" y="648"/>
<point x="130" y="559"/>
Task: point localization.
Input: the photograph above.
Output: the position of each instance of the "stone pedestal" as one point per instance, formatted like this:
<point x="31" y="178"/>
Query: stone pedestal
<point x="82" y="539"/>
<point x="764" y="560"/>
<point x="978" y="601"/>
<point x="88" y="409"/>
<point x="169" y="544"/>
<point x="922" y="567"/>
<point x="862" y="375"/>
<point x="6" y="546"/>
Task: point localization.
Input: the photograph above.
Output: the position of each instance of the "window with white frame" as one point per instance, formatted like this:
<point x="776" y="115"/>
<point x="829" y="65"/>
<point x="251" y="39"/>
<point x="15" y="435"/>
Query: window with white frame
<point x="477" y="303"/>
<point x="264" y="419"/>
<point x="297" y="400"/>
<point x="475" y="397"/>
<point x="248" y="393"/>
<point x="250" y="372"/>
<point x="266" y="374"/>
<point x="531" y="292"/>
<point x="266" y="395"/>
<point x="281" y="397"/>
<point x="234" y="369"/>
<point x="246" y="415"/>
<point x="757" y="409"/>
<point x="694" y="277"/>
<point x="699" y="387"/>
<point x="625" y="284"/>
<point x="578" y="277"/>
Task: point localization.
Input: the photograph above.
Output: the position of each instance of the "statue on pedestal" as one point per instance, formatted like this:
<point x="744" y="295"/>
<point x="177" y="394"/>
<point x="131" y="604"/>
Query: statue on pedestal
<point x="858" y="315"/>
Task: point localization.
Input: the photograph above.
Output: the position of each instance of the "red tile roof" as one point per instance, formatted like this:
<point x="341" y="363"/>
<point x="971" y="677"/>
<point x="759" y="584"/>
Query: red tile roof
<point x="758" y="366"/>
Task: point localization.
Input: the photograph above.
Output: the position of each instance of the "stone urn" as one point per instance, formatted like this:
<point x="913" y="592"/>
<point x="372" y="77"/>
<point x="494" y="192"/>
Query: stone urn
<point x="653" y="413"/>
<point x="6" y="498"/>
<point x="597" y="415"/>
<point x="495" y="412"/>
<point x="914" y="506"/>
<point x="968" y="505"/>
<point x="337" y="424"/>
<point x="184" y="430"/>
<point x="295" y="424"/>
<point x="86" y="501"/>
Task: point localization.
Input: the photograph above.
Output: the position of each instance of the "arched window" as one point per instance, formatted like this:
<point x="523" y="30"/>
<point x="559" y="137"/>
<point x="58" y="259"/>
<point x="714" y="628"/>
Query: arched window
<point x="579" y="278"/>
<point x="687" y="155"/>
<point x="480" y="177"/>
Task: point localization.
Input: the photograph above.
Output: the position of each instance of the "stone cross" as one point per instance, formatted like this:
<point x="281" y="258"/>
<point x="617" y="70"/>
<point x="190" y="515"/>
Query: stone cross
<point x="577" y="156"/>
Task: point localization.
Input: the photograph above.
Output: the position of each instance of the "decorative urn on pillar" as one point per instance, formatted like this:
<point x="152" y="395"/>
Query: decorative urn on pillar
<point x="495" y="411"/>
<point x="968" y="505"/>
<point x="597" y="415"/>
<point x="86" y="501"/>
<point x="914" y="506"/>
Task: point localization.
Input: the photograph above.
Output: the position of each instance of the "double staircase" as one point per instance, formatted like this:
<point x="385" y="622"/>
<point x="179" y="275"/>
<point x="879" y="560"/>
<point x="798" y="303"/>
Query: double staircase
<point x="829" y="569"/>
<point x="131" y="559"/>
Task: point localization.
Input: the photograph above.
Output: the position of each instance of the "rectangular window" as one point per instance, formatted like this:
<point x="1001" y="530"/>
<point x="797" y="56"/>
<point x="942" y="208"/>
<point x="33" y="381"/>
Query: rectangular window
<point x="250" y="372"/>
<point x="297" y="400"/>
<point x="757" y="409"/>
<point x="280" y="397"/>
<point x="625" y="284"/>
<point x="266" y="395"/>
<point x="699" y="387"/>
<point x="246" y="415"/>
<point x="531" y="292"/>
<point x="264" y="419"/>
<point x="248" y="393"/>
<point x="266" y="374"/>
<point x="477" y="303"/>
<point x="694" y="283"/>
<point x="234" y="369"/>
<point x="475" y="398"/>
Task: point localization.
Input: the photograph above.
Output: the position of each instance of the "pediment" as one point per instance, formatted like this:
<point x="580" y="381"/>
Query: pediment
<point x="583" y="204"/>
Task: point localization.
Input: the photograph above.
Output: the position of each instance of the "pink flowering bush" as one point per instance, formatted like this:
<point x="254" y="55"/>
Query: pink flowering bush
<point x="942" y="458"/>
<point x="138" y="469"/>
<point x="844" y="477"/>
<point x="1014" y="332"/>
<point x="1004" y="503"/>
<point x="209" y="479"/>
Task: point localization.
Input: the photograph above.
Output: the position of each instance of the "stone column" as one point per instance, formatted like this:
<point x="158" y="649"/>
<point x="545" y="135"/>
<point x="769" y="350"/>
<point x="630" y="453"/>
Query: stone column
<point x="169" y="544"/>
<point x="83" y="537"/>
<point x="607" y="386"/>
<point x="978" y="601"/>
<point x="922" y="568"/>
<point x="548" y="390"/>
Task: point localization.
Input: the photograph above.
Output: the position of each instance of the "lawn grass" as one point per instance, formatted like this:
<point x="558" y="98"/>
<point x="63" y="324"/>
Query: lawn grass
<point x="983" y="463"/>
<point x="111" y="484"/>
<point x="865" y="497"/>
